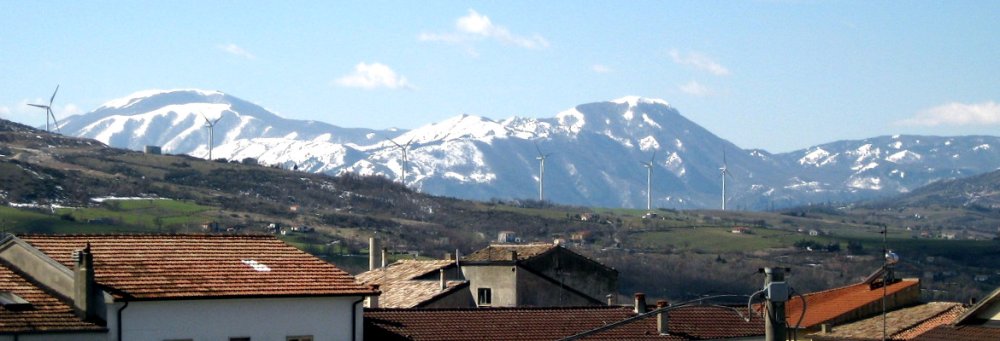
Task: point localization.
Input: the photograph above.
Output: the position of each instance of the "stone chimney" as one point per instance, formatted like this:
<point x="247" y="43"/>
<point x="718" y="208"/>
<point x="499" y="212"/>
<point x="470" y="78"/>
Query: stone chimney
<point x="662" y="319"/>
<point x="384" y="257"/>
<point x="640" y="303"/>
<point x="444" y="279"/>
<point x="373" y="299"/>
<point x="372" y="255"/>
<point x="85" y="295"/>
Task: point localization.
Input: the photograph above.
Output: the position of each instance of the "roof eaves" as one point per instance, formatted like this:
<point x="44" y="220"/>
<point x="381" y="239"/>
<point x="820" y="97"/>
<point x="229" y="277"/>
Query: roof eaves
<point x="969" y="315"/>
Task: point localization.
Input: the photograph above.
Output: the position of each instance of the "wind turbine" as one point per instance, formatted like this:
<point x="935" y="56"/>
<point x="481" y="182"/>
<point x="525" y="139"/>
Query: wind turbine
<point x="541" y="172"/>
<point x="48" y="111"/>
<point x="211" y="133"/>
<point x="725" y="173"/>
<point x="649" y="181"/>
<point x="406" y="160"/>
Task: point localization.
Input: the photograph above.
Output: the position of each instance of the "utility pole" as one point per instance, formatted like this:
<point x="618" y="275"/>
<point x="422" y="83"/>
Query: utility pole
<point x="775" y="325"/>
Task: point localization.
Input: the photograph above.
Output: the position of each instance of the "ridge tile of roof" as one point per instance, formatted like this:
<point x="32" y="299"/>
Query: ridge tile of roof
<point x="159" y="267"/>
<point x="830" y="304"/>
<point x="47" y="313"/>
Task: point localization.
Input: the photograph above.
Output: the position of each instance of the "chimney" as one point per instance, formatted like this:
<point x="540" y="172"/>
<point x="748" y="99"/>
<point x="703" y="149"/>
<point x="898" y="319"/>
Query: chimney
<point x="373" y="299"/>
<point x="384" y="257"/>
<point x="444" y="279"/>
<point x="662" y="320"/>
<point x="513" y="255"/>
<point x="611" y="299"/>
<point x="84" y="288"/>
<point x="449" y="256"/>
<point x="640" y="303"/>
<point x="372" y="256"/>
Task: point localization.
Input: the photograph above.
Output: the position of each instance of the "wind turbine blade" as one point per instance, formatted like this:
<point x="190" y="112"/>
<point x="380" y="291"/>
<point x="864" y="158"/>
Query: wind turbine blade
<point x="651" y="158"/>
<point x="207" y="122"/>
<point x="53" y="98"/>
<point x="539" y="150"/>
<point x="55" y="122"/>
<point x="410" y="142"/>
<point x="39" y="106"/>
<point x="216" y="120"/>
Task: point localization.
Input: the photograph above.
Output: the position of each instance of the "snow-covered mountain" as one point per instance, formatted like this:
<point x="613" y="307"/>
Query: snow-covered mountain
<point x="594" y="151"/>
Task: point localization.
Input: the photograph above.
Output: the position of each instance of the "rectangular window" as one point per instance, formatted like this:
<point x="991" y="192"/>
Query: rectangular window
<point x="299" y="338"/>
<point x="485" y="296"/>
<point x="241" y="338"/>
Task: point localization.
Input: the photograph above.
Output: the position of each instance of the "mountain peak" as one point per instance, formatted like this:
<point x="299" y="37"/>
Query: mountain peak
<point x="635" y="100"/>
<point x="137" y="96"/>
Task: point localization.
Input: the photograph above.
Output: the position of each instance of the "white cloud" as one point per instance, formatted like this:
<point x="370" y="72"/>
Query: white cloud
<point x="695" y="89"/>
<point x="600" y="68"/>
<point x="4" y="111"/>
<point x="699" y="61"/>
<point x="956" y="114"/>
<point x="235" y="50"/>
<point x="475" y="26"/>
<point x="374" y="75"/>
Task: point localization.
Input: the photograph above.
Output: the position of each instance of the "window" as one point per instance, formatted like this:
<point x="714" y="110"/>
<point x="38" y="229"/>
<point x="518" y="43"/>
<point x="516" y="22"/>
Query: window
<point x="299" y="338"/>
<point x="485" y="296"/>
<point x="240" y="338"/>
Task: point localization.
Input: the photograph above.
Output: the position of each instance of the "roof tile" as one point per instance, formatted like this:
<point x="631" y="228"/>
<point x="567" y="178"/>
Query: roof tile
<point x="200" y="265"/>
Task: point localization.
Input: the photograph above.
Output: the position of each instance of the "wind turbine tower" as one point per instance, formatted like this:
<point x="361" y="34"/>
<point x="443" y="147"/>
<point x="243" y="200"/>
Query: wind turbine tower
<point x="541" y="172"/>
<point x="649" y="181"/>
<point x="48" y="111"/>
<point x="406" y="160"/>
<point x="725" y="173"/>
<point x="211" y="133"/>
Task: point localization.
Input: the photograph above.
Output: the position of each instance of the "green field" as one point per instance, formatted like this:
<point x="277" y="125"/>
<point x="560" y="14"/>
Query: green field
<point x="114" y="216"/>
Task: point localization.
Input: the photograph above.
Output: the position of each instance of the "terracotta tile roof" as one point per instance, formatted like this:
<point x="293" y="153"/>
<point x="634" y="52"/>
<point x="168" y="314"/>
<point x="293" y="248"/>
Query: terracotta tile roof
<point x="403" y="270"/>
<point x="201" y="266"/>
<point x="901" y="324"/>
<point x="960" y="333"/>
<point x="502" y="252"/>
<point x="549" y="324"/>
<point x="689" y="323"/>
<point x="47" y="313"/>
<point x="828" y="305"/>
<point x="399" y="287"/>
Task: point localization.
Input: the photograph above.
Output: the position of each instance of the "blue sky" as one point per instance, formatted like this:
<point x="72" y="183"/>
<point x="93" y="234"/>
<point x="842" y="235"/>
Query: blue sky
<point x="777" y="75"/>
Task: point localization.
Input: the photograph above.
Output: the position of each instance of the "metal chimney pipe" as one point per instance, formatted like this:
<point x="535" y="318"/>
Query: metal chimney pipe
<point x="444" y="279"/>
<point x="640" y="303"/>
<point x="372" y="246"/>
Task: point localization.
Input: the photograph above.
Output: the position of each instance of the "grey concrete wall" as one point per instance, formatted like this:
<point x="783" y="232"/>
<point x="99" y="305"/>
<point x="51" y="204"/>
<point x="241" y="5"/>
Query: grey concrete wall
<point x="461" y="298"/>
<point x="535" y="291"/>
<point x="501" y="279"/>
<point x="578" y="272"/>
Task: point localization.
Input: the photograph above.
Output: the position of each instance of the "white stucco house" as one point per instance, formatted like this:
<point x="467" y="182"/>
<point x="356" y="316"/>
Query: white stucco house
<point x="175" y="287"/>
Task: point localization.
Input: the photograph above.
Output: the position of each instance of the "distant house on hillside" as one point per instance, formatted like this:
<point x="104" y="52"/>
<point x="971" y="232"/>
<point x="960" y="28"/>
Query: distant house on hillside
<point x="174" y="287"/>
<point x="536" y="275"/>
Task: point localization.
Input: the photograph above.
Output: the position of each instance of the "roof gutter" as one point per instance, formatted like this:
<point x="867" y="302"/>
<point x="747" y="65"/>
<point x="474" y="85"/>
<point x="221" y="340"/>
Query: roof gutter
<point x="119" y="324"/>
<point x="354" y="322"/>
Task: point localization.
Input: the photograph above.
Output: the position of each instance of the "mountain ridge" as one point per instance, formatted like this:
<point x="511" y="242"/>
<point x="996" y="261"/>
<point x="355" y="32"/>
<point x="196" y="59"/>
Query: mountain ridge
<point x="596" y="149"/>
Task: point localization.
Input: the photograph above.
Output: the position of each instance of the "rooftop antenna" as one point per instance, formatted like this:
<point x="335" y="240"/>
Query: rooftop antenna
<point x="541" y="172"/>
<point x="406" y="160"/>
<point x="725" y="172"/>
<point x="649" y="181"/>
<point x="48" y="111"/>
<point x="211" y="133"/>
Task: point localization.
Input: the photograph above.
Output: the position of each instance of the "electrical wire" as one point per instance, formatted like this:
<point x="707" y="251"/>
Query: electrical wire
<point x="750" y="305"/>
<point x="802" y="315"/>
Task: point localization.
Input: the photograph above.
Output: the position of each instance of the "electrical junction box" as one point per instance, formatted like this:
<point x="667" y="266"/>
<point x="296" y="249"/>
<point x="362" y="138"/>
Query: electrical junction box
<point x="777" y="291"/>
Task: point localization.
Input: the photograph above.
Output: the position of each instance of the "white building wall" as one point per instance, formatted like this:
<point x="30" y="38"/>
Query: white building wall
<point x="324" y="318"/>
